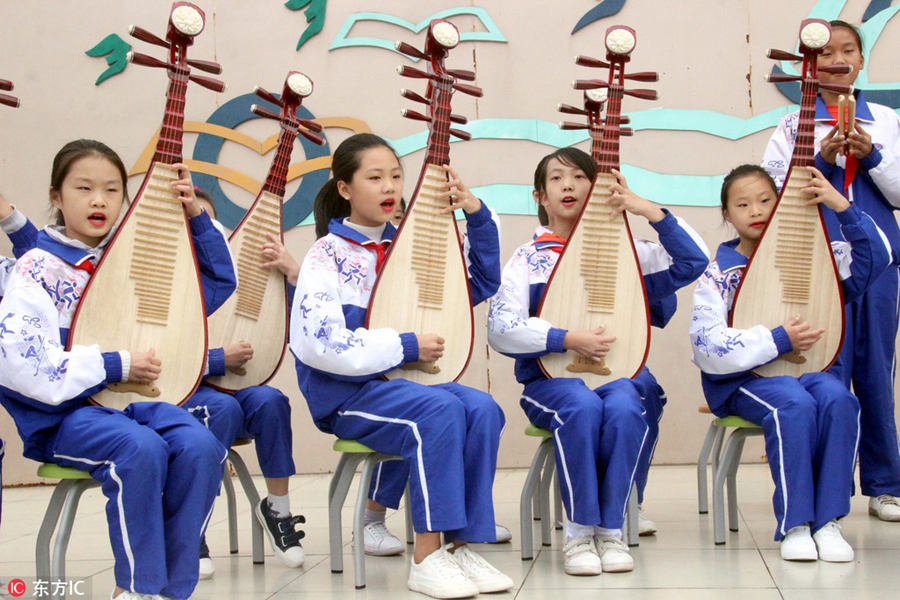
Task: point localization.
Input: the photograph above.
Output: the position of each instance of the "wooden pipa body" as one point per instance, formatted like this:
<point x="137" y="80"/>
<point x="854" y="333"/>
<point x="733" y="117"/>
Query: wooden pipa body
<point x="258" y="312"/>
<point x="597" y="280"/>
<point x="792" y="270"/>
<point x="423" y="286"/>
<point x="145" y="292"/>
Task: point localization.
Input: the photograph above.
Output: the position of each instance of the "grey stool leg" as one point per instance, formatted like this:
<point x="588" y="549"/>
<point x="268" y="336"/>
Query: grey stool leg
<point x="547" y="473"/>
<point x="730" y="456"/>
<point x="702" y="462"/>
<point x="232" y="512"/>
<point x="557" y="503"/>
<point x="48" y="526"/>
<point x="631" y="518"/>
<point x="359" y="549"/>
<point x="253" y="496"/>
<point x="529" y="490"/>
<point x="410" y="533"/>
<point x="337" y="493"/>
<point x="70" y="507"/>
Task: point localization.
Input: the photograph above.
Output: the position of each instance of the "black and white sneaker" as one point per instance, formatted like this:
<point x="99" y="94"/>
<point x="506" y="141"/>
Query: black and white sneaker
<point x="207" y="568"/>
<point x="284" y="539"/>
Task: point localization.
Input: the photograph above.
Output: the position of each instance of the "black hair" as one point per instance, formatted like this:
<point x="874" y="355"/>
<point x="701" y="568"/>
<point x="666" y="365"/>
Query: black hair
<point x="572" y="157"/>
<point x="743" y="171"/>
<point x="344" y="163"/>
<point x="74" y="151"/>
<point x="853" y="30"/>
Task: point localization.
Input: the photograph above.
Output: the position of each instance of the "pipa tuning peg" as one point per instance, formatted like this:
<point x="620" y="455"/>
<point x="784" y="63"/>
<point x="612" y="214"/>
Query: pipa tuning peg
<point x="146" y="36"/>
<point x="311" y="125"/>
<point x="411" y="95"/>
<point x="267" y="95"/>
<point x="6" y="85"/>
<point x="206" y="65"/>
<point x="458" y="119"/>
<point x="626" y="131"/>
<point x="409" y="50"/>
<point x="781" y="77"/>
<point x="589" y="84"/>
<point x="624" y="119"/>
<point x="571" y="110"/>
<point x="643" y="94"/>
<point x="837" y="69"/>
<point x="405" y="71"/>
<point x="264" y="112"/>
<point x="462" y="74"/>
<point x="9" y="100"/>
<point x="208" y="82"/>
<point x="587" y="61"/>
<point x="782" y="55"/>
<point x="145" y="60"/>
<point x="839" y="88"/>
<point x="569" y="125"/>
<point x="463" y="135"/>
<point x="415" y="116"/>
<point x="315" y="138"/>
<point x="471" y="90"/>
<point x="643" y="76"/>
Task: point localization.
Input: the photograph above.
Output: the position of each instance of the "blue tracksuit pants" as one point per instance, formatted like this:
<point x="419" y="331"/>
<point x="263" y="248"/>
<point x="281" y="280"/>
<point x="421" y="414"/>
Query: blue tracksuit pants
<point x="811" y="428"/>
<point x="867" y="360"/>
<point x="448" y="435"/>
<point x="259" y="412"/>
<point x="160" y="471"/>
<point x="599" y="435"/>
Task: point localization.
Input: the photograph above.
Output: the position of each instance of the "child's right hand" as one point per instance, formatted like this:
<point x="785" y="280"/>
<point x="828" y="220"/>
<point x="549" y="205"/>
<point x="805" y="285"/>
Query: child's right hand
<point x="591" y="344"/>
<point x="821" y="191"/>
<point x="832" y="144"/>
<point x="802" y="337"/>
<point x="145" y="367"/>
<point x="237" y="354"/>
<point x="431" y="346"/>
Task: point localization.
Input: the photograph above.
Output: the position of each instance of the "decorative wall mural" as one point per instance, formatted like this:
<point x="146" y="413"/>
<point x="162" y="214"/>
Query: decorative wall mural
<point x="315" y="16"/>
<point x="606" y="8"/>
<point x="116" y="50"/>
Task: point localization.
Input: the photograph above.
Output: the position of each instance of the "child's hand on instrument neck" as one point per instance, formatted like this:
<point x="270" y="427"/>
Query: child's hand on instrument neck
<point x="457" y="194"/>
<point x="591" y="344"/>
<point x="277" y="257"/>
<point x="237" y="353"/>
<point x="800" y="334"/>
<point x="185" y="188"/>
<point x="622" y="198"/>
<point x="821" y="191"/>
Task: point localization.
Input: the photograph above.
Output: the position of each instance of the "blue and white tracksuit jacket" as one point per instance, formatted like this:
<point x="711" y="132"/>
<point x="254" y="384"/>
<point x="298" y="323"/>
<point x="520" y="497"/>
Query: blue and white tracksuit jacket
<point x="158" y="468"/>
<point x="867" y="358"/>
<point x="447" y="434"/>
<point x="600" y="434"/>
<point x="810" y="423"/>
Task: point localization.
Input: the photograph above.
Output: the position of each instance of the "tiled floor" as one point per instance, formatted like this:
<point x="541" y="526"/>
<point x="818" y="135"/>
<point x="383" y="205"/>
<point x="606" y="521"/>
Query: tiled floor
<point x="680" y="561"/>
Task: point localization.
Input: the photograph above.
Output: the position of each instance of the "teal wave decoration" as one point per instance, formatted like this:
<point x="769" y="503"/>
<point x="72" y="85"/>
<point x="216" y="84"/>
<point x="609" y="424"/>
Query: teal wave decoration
<point x="342" y="39"/>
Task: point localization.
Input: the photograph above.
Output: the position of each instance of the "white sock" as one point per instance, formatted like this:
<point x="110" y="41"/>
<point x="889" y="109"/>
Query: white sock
<point x="373" y="516"/>
<point x="280" y="505"/>
<point x="577" y="530"/>
<point x="602" y="531"/>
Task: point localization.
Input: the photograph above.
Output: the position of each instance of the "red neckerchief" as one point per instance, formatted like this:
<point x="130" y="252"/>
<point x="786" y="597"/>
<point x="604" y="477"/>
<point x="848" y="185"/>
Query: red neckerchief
<point x="851" y="164"/>
<point x="85" y="265"/>
<point x="380" y="249"/>
<point x="551" y="238"/>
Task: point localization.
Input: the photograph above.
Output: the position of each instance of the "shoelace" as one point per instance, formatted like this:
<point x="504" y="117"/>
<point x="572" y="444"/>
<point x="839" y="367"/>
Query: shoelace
<point x="448" y="564"/>
<point x="468" y="559"/>
<point x="888" y="499"/>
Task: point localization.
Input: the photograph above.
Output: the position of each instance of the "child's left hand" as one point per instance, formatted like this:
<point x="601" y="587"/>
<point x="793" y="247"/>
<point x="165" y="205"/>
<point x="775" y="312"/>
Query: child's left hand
<point x="823" y="192"/>
<point x="860" y="143"/>
<point x="277" y="257"/>
<point x="622" y="199"/>
<point x="185" y="189"/>
<point x="459" y="196"/>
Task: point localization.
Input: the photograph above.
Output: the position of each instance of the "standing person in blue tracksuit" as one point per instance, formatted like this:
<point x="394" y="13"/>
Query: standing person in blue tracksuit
<point x="158" y="467"/>
<point x="448" y="434"/>
<point x="260" y="412"/>
<point x="811" y="422"/>
<point x="865" y="166"/>
<point x="600" y="434"/>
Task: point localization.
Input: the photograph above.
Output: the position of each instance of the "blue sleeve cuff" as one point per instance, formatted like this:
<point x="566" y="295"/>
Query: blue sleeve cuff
<point x="782" y="341"/>
<point x="872" y="160"/>
<point x="200" y="224"/>
<point x="555" y="339"/>
<point x="480" y="216"/>
<point x="216" y="358"/>
<point x="291" y="290"/>
<point x="410" y="347"/>
<point x="851" y="216"/>
<point x="667" y="224"/>
<point x="824" y="166"/>
<point x="112" y="362"/>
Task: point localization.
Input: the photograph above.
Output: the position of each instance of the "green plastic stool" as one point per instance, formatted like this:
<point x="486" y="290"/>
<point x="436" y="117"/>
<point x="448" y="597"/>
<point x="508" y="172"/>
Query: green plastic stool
<point x="352" y="454"/>
<point x="59" y="517"/>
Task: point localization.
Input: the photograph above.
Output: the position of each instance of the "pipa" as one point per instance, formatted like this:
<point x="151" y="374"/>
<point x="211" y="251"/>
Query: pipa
<point x="792" y="270"/>
<point x="6" y="99"/>
<point x="423" y="286"/>
<point x="257" y="311"/>
<point x="145" y="292"/>
<point x="597" y="279"/>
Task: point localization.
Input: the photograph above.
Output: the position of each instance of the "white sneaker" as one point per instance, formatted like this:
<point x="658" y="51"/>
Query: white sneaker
<point x="440" y="576"/>
<point x="481" y="572"/>
<point x="379" y="541"/>
<point x="798" y="544"/>
<point x="503" y="534"/>
<point x="581" y="557"/>
<point x="645" y="525"/>
<point x="885" y="507"/>
<point x="614" y="554"/>
<point x="207" y="568"/>
<point x="127" y="595"/>
<point x="831" y="544"/>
